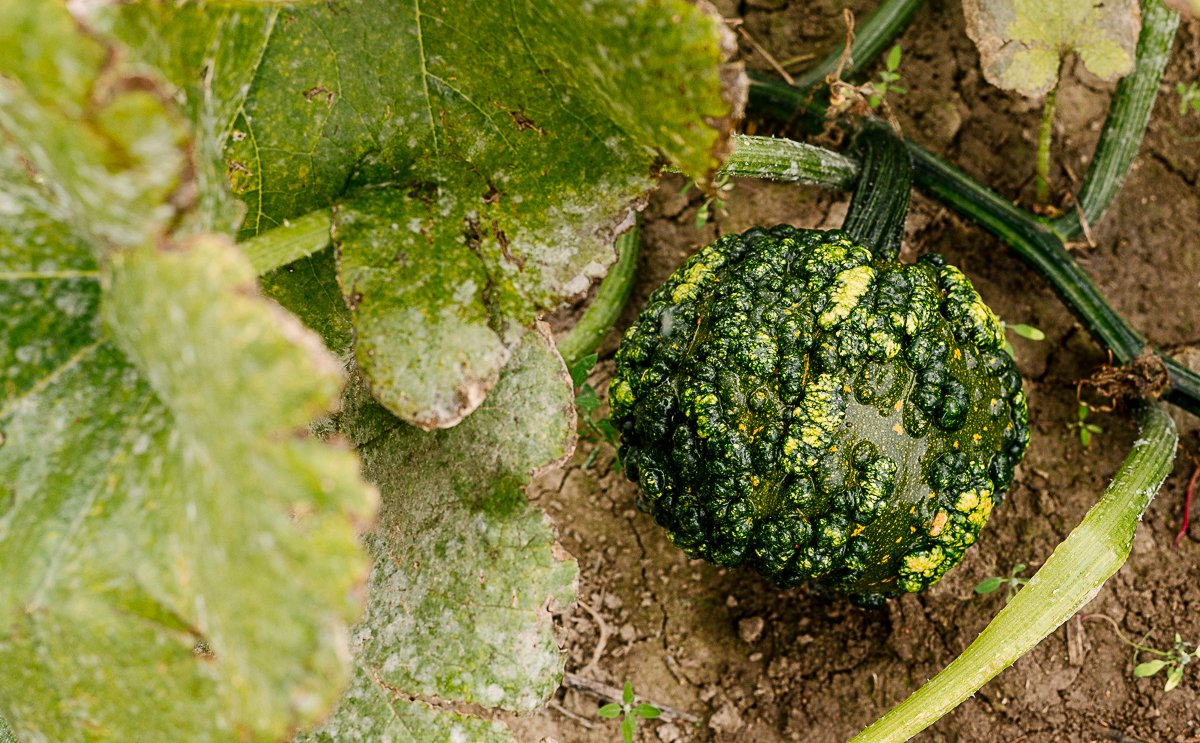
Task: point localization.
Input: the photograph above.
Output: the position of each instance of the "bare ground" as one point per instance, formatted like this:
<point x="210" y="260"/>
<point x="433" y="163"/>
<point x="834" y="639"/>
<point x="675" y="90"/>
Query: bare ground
<point x="752" y="662"/>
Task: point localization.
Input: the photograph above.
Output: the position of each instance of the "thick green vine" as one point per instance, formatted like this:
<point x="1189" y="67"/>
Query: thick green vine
<point x="1033" y="240"/>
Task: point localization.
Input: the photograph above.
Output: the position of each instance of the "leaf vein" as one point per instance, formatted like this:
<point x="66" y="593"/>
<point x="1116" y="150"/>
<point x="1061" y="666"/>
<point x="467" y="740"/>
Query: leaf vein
<point x="486" y="116"/>
<point x="425" y="77"/>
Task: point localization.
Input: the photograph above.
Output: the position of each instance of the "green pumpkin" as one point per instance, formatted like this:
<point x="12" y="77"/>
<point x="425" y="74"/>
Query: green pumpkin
<point x="789" y="402"/>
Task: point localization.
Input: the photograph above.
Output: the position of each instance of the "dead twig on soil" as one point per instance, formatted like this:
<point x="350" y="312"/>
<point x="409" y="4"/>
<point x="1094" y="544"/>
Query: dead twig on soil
<point x="1119" y="737"/>
<point x="1075" y="641"/>
<point x="559" y="707"/>
<point x="613" y="694"/>
<point x="766" y="55"/>
<point x="673" y="666"/>
<point x="1083" y="222"/>
<point x="605" y="633"/>
<point x="844" y="59"/>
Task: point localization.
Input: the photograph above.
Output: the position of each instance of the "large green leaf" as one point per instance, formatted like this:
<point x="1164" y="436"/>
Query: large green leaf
<point x="479" y="155"/>
<point x="466" y="569"/>
<point x="1022" y="42"/>
<point x="179" y="557"/>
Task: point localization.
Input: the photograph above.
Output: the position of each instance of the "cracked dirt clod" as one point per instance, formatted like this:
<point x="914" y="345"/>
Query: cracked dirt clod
<point x="727" y="721"/>
<point x="751" y="629"/>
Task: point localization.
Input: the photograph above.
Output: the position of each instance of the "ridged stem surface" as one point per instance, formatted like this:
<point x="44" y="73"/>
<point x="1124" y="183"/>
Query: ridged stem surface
<point x="879" y="207"/>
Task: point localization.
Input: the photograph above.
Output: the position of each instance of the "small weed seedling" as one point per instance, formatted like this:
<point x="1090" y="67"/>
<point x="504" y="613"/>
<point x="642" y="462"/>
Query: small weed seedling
<point x="989" y="585"/>
<point x="872" y="96"/>
<point x="595" y="430"/>
<point x="1086" y="430"/>
<point x="887" y="80"/>
<point x="1028" y="332"/>
<point x="1173" y="661"/>
<point x="1189" y="97"/>
<point x="711" y="204"/>
<point x="628" y="712"/>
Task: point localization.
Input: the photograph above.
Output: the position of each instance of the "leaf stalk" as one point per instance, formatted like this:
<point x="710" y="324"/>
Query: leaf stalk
<point x="294" y="239"/>
<point x="1045" y="139"/>
<point x="786" y="160"/>
<point x="610" y="300"/>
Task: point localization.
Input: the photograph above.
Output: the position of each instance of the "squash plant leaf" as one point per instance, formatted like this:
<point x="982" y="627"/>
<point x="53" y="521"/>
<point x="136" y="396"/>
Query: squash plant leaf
<point x="478" y="156"/>
<point x="180" y="558"/>
<point x="1022" y="42"/>
<point x="466" y="569"/>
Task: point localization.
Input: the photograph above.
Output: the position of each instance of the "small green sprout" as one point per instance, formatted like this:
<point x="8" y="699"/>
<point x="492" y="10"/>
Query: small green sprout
<point x="711" y="204"/>
<point x="1086" y="430"/>
<point x="596" y="430"/>
<point x="628" y="712"/>
<point x="1173" y="661"/>
<point x="877" y="92"/>
<point x="871" y="96"/>
<point x="989" y="585"/>
<point x="1189" y="97"/>
<point x="1028" y="332"/>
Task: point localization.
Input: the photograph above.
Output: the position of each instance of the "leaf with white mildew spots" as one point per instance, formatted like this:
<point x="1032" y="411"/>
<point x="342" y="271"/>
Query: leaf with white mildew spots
<point x="371" y="712"/>
<point x="466" y="569"/>
<point x="479" y="156"/>
<point x="179" y="558"/>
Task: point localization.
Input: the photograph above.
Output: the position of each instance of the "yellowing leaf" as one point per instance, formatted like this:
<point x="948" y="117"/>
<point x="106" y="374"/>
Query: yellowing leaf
<point x="1022" y="42"/>
<point x="372" y="712"/>
<point x="70" y="120"/>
